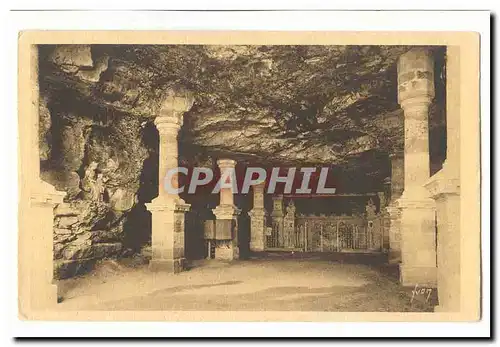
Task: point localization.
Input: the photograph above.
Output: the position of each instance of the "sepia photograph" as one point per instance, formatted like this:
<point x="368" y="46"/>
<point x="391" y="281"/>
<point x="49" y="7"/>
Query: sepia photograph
<point x="237" y="176"/>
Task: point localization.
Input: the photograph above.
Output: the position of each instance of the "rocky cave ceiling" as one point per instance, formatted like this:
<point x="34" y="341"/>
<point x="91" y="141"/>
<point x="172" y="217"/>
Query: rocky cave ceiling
<point x="306" y="105"/>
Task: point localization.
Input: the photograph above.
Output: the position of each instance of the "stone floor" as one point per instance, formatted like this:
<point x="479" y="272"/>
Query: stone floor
<point x="272" y="282"/>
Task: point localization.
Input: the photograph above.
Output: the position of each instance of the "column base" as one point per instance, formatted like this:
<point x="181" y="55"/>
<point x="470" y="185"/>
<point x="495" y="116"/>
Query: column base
<point x="418" y="242"/>
<point x="421" y="276"/>
<point x="226" y="244"/>
<point x="226" y="250"/>
<point x="167" y="265"/>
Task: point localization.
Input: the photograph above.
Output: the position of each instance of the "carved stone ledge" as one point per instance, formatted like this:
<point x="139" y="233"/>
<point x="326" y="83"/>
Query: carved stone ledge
<point x="176" y="103"/>
<point x="226" y="212"/>
<point x="409" y="203"/>
<point x="45" y="193"/>
<point x="440" y="184"/>
<point x="259" y="212"/>
<point x="166" y="124"/>
<point x="172" y="109"/>
<point x="175" y="206"/>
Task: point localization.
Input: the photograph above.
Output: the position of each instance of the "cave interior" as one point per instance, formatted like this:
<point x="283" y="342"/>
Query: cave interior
<point x="267" y="106"/>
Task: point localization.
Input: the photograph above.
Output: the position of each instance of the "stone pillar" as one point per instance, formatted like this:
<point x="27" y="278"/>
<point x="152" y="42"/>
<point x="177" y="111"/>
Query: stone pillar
<point x="277" y="220"/>
<point x="444" y="187"/>
<point x="418" y="233"/>
<point x="289" y="226"/>
<point x="226" y="214"/>
<point x="168" y="209"/>
<point x="38" y="199"/>
<point x="397" y="186"/>
<point x="258" y="219"/>
<point x="384" y="219"/>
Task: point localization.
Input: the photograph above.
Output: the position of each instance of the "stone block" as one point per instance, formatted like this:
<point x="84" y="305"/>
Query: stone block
<point x="257" y="230"/>
<point x="226" y="250"/>
<point x="224" y="229"/>
<point x="209" y="230"/>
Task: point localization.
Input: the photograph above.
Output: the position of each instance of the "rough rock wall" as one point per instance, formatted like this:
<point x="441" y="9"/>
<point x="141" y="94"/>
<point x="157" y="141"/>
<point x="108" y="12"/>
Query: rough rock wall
<point x="98" y="158"/>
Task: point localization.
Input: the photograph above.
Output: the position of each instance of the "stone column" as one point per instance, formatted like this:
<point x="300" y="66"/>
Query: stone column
<point x="226" y="214"/>
<point x="278" y="219"/>
<point x="38" y="199"/>
<point x="418" y="233"/>
<point x="168" y="209"/>
<point x="444" y="187"/>
<point x="289" y="226"/>
<point x="258" y="219"/>
<point x="397" y="186"/>
<point x="384" y="219"/>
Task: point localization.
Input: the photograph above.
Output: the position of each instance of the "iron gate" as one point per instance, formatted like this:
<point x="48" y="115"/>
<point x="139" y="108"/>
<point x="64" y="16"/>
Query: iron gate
<point x="327" y="234"/>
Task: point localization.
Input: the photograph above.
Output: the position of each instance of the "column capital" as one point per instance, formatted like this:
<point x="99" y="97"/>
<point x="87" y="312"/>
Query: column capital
<point x="277" y="197"/>
<point x="226" y="212"/>
<point x="179" y="101"/>
<point x="172" y="109"/>
<point x="257" y="212"/>
<point x="416" y="77"/>
<point x="226" y="163"/>
<point x="168" y="124"/>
